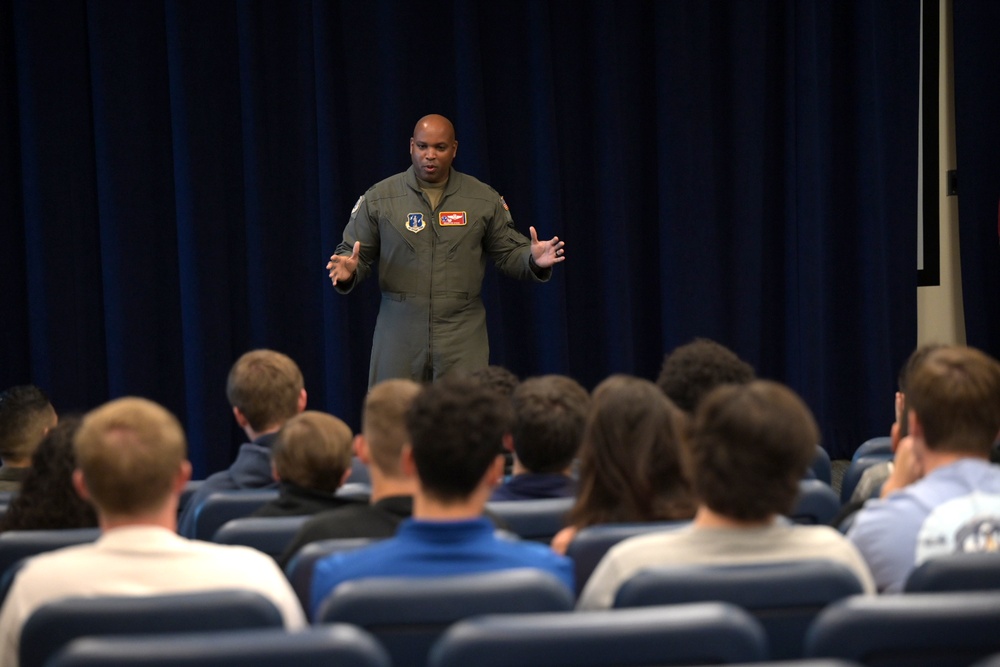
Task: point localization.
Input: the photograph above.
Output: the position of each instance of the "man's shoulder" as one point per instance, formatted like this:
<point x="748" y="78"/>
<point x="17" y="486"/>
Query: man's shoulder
<point x="397" y="185"/>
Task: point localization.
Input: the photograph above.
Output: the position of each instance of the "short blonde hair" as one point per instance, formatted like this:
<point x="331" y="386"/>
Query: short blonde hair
<point x="383" y="422"/>
<point x="313" y="451"/>
<point x="129" y="451"/>
<point x="265" y="385"/>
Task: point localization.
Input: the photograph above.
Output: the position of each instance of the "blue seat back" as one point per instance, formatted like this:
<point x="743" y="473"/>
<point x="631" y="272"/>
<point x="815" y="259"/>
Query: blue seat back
<point x="817" y="503"/>
<point x="785" y="596"/>
<point x="408" y="614"/>
<point x="223" y="506"/>
<point x="956" y="572"/>
<point x="17" y="545"/>
<point x="537" y="520"/>
<point x="268" y="534"/>
<point x="821" y="467"/>
<point x="856" y="469"/>
<point x="589" y="545"/>
<point x="299" y="570"/>
<point x="56" y="623"/>
<point x="914" y="629"/>
<point x="323" y="646"/>
<point x="880" y="446"/>
<point x="706" y="633"/>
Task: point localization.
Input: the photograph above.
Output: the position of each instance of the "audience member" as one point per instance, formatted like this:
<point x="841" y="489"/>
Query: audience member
<point x="457" y="429"/>
<point x="749" y="447"/>
<point x="549" y="414"/>
<point x="631" y="466"/>
<point x="692" y="370"/>
<point x="500" y="379"/>
<point x="131" y="457"/>
<point x="943" y="495"/>
<point x="874" y="476"/>
<point x="265" y="389"/>
<point x="26" y="415"/>
<point x="380" y="447"/>
<point x="47" y="499"/>
<point x="311" y="458"/>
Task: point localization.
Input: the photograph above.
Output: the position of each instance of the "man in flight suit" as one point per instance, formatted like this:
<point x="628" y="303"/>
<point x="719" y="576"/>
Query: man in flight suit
<point x="431" y="230"/>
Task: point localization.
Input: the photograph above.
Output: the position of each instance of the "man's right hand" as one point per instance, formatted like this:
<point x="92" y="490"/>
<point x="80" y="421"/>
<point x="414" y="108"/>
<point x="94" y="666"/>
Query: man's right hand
<point x="342" y="268"/>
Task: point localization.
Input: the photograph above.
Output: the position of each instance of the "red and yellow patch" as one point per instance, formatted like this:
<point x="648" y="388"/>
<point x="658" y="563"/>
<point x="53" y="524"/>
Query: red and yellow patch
<point x="451" y="218"/>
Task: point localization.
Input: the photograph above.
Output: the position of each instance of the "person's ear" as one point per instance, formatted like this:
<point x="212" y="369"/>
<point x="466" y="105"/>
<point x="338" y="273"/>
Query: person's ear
<point x="182" y="477"/>
<point x="274" y="472"/>
<point x="80" y="485"/>
<point x="406" y="462"/>
<point x="361" y="449"/>
<point x="508" y="442"/>
<point x="240" y="418"/>
<point x="303" y="399"/>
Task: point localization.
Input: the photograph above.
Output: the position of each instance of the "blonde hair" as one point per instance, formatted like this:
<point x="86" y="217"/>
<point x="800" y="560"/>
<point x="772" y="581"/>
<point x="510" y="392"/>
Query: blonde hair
<point x="383" y="422"/>
<point x="265" y="385"/>
<point x="129" y="451"/>
<point x="313" y="451"/>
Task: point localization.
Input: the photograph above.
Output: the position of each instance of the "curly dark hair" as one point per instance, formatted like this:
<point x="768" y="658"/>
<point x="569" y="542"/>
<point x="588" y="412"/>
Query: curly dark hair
<point x="456" y="427"/>
<point x="696" y="368"/>
<point x="47" y="499"/>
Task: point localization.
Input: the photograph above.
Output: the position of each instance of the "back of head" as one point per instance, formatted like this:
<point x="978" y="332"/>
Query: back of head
<point x="631" y="457"/>
<point x="25" y="416"/>
<point x="750" y="445"/>
<point x="456" y="428"/>
<point x="498" y="378"/>
<point x="130" y="451"/>
<point x="47" y="499"/>
<point x="265" y="385"/>
<point x="383" y="423"/>
<point x="549" y="414"/>
<point x="696" y="368"/>
<point x="313" y="450"/>
<point x="955" y="394"/>
<point x="916" y="358"/>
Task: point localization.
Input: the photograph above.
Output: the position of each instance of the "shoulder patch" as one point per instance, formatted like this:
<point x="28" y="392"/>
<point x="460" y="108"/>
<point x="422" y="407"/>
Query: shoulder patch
<point x="357" y="206"/>
<point x="502" y="203"/>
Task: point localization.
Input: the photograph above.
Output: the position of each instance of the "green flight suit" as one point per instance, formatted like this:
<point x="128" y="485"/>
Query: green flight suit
<point x="431" y="266"/>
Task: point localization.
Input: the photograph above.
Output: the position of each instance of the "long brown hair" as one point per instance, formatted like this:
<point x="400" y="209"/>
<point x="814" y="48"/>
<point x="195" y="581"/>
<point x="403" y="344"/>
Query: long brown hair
<point x="631" y="459"/>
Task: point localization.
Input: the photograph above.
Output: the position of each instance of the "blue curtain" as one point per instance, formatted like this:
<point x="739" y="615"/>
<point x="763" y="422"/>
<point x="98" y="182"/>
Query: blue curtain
<point x="977" y="145"/>
<point x="174" y="175"/>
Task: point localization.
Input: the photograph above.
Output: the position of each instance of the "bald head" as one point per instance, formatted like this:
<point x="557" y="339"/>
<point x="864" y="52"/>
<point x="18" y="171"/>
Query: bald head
<point x="433" y="148"/>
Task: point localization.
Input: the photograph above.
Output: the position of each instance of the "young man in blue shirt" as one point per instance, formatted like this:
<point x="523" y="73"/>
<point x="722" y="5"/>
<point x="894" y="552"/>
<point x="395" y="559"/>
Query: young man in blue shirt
<point x="457" y="431"/>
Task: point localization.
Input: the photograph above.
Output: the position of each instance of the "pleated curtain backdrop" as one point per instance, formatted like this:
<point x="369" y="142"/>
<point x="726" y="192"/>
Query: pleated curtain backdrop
<point x="175" y="173"/>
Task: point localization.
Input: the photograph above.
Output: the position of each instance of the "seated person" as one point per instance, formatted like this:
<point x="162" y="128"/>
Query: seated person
<point x="549" y="413"/>
<point x="380" y="447"/>
<point x="694" y="369"/>
<point x="310" y="459"/>
<point x="631" y="466"/>
<point x="457" y="430"/>
<point x="47" y="499"/>
<point x="748" y="449"/>
<point x="132" y="465"/>
<point x="26" y="415"/>
<point x="943" y="495"/>
<point x="265" y="389"/>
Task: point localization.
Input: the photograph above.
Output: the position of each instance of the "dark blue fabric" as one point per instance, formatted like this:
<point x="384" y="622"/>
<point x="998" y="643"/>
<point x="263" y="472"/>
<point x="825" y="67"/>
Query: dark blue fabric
<point x="527" y="486"/>
<point x="175" y="174"/>
<point x="977" y="144"/>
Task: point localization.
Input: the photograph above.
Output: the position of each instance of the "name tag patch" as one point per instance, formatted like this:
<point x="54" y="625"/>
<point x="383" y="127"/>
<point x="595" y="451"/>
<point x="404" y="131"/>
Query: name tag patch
<point x="451" y="218"/>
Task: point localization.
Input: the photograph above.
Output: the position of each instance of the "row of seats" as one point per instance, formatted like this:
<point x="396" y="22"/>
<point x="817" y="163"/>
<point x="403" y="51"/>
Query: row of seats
<point x="930" y="630"/>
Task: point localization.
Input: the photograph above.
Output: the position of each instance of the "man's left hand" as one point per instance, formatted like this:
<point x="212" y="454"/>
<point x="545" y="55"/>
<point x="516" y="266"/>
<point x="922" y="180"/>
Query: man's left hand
<point x="546" y="253"/>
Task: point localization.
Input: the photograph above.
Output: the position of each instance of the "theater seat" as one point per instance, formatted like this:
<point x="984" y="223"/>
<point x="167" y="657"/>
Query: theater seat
<point x="299" y="570"/>
<point x="704" y="633"/>
<point x="956" y="572"/>
<point x="785" y="596"/>
<point x="270" y="534"/>
<point x="408" y="614"/>
<point x="56" y="623"/>
<point x="920" y="629"/>
<point x="17" y="545"/>
<point x="336" y="644"/>
<point x="223" y="506"/>
<point x="538" y="520"/>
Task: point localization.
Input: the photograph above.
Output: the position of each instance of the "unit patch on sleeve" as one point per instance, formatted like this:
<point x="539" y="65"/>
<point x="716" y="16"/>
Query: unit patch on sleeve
<point x="415" y="222"/>
<point x="451" y="218"/>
